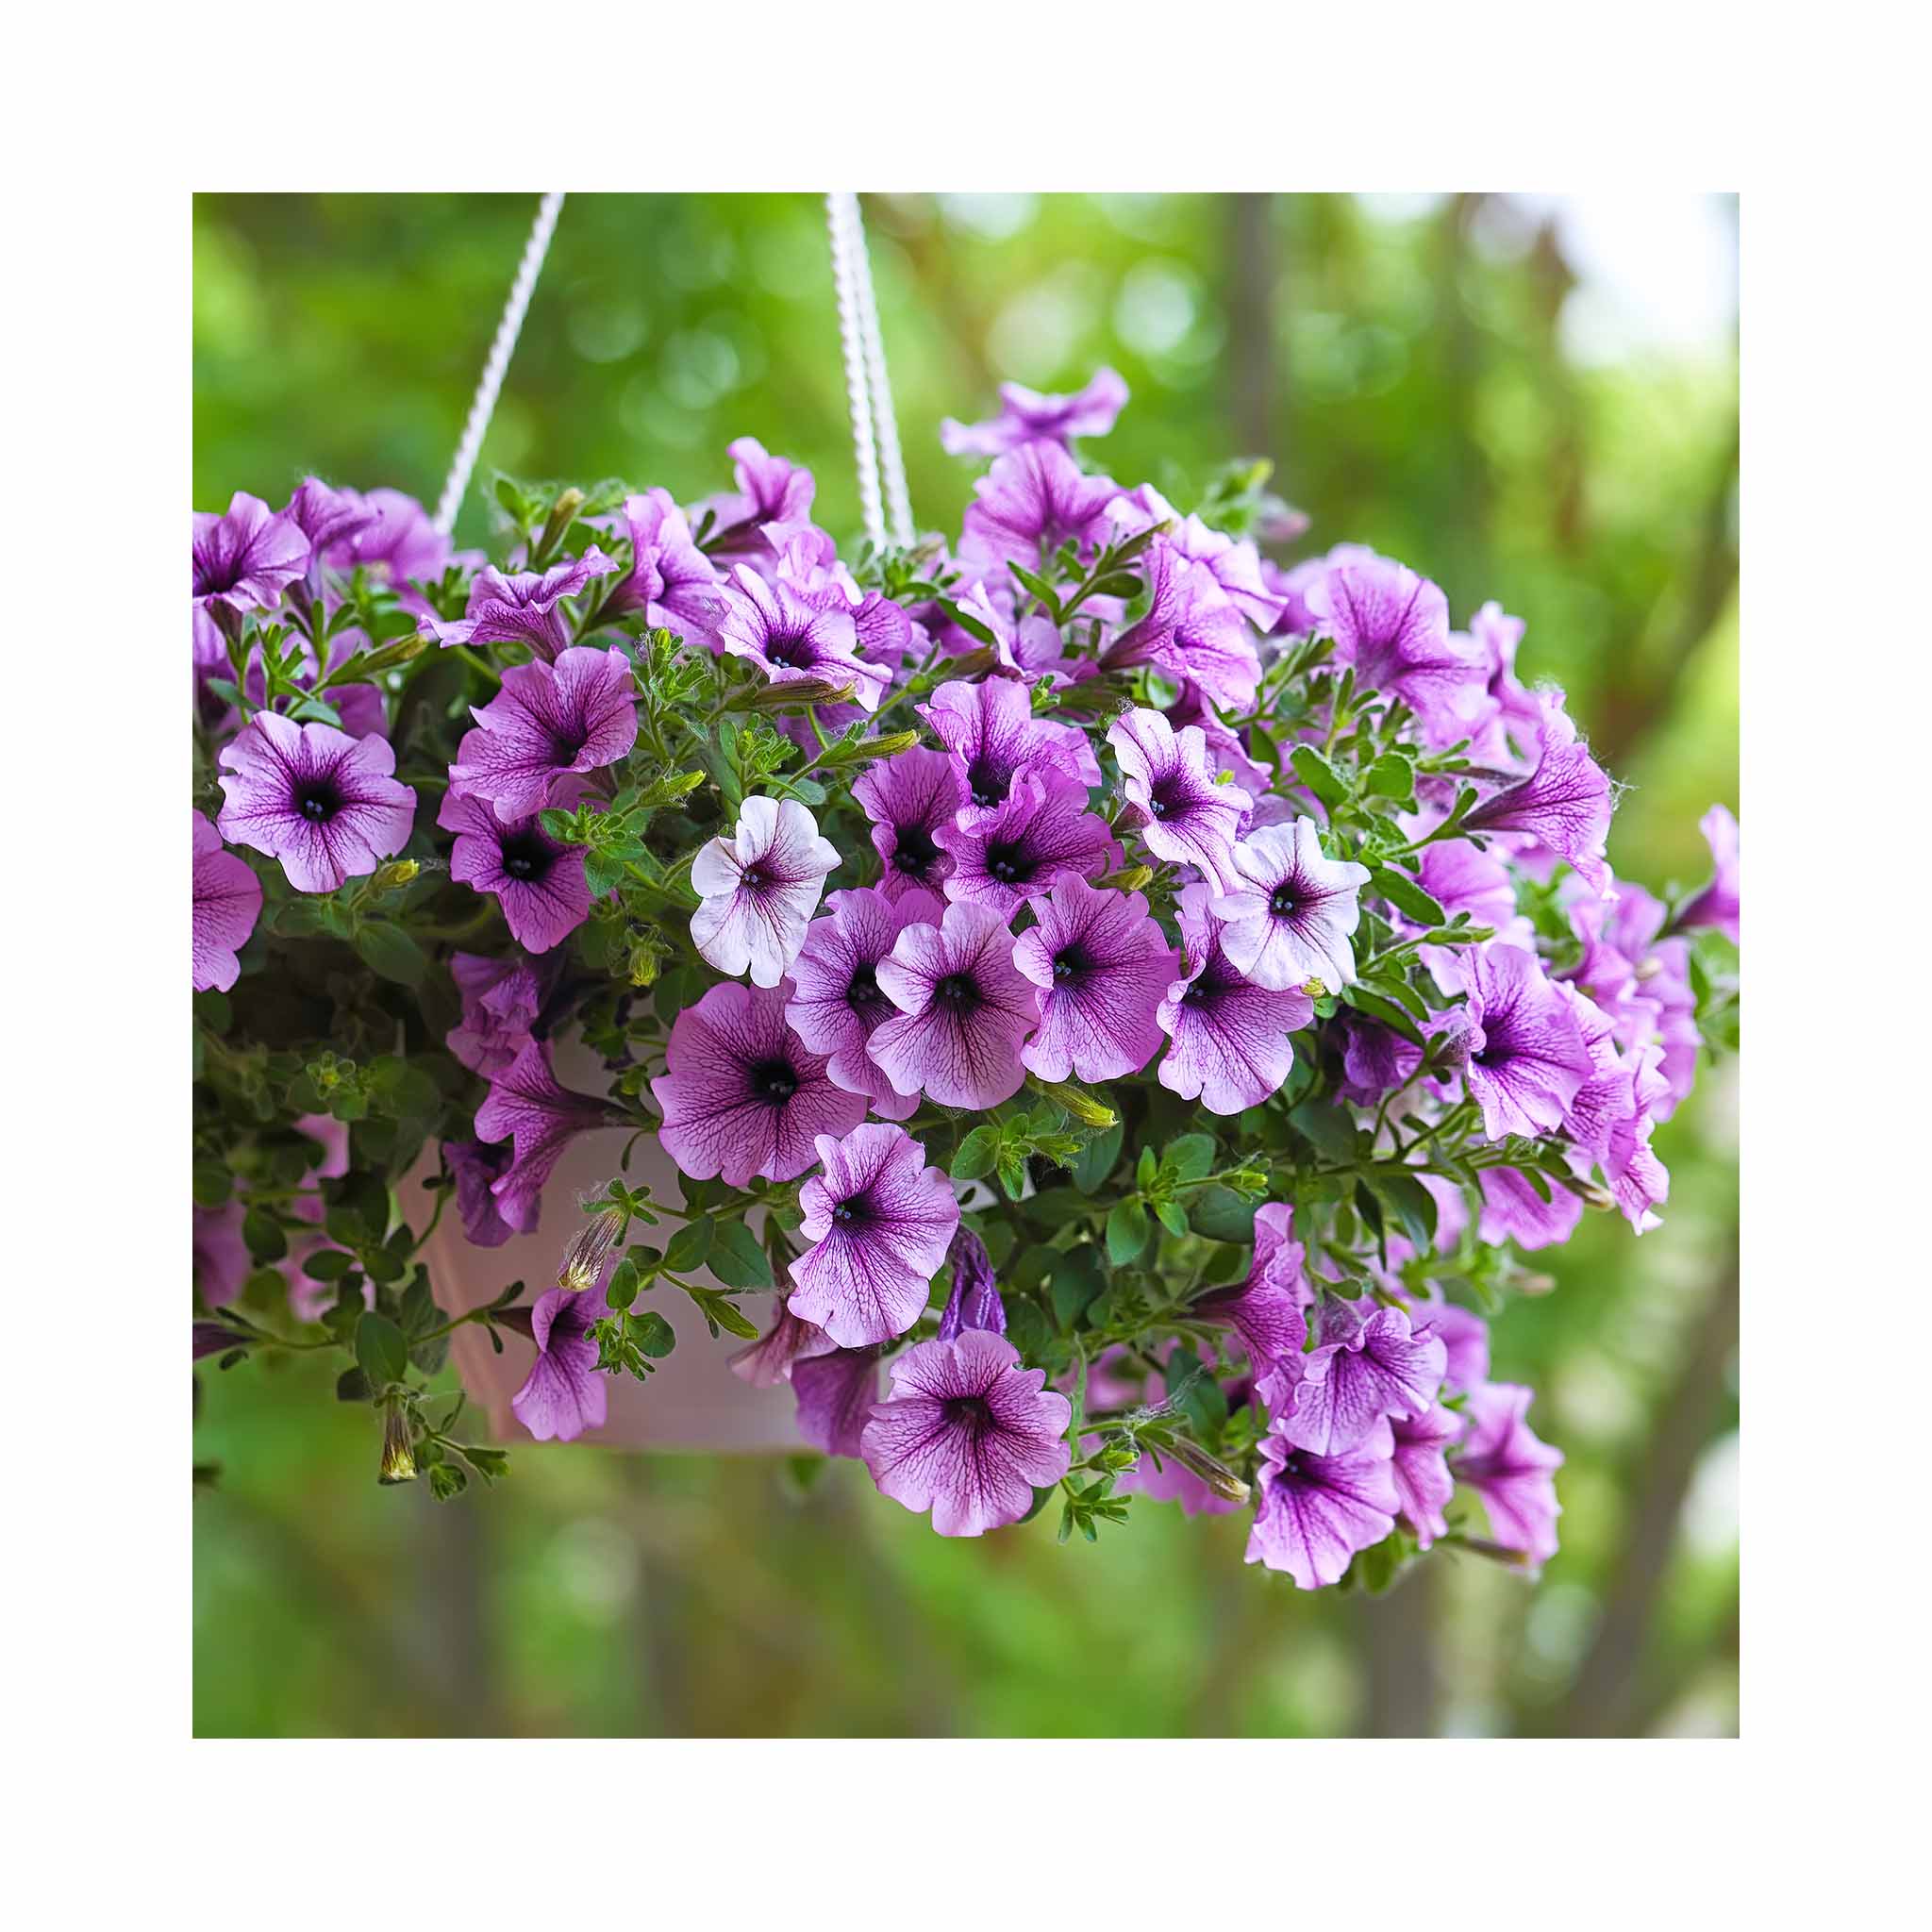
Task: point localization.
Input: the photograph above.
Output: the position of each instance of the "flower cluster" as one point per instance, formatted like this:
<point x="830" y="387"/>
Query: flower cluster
<point x="1125" y="999"/>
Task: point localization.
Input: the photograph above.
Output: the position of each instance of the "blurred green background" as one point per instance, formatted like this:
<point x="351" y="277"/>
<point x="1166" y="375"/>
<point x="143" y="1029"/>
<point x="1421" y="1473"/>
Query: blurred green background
<point x="1528" y="398"/>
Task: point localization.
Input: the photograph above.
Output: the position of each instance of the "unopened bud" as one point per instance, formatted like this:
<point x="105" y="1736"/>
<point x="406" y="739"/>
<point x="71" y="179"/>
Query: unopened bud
<point x="1130" y="879"/>
<point x="1213" y="1471"/>
<point x="398" y="872"/>
<point x="584" y="1259"/>
<point x="1594" y="1195"/>
<point x="1080" y="1104"/>
<point x="793" y="694"/>
<point x="1315" y="988"/>
<point x="562" y="512"/>
<point x="398" y="1464"/>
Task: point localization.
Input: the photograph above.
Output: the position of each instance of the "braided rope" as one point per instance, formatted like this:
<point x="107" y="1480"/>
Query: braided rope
<point x="840" y="220"/>
<point x="483" y="405"/>
<point x="891" y="458"/>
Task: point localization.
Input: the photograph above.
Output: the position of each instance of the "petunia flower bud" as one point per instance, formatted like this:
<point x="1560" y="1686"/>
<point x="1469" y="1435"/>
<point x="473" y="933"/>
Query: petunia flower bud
<point x="398" y="1463"/>
<point x="1214" y="1473"/>
<point x="398" y="872"/>
<point x="590" y="1248"/>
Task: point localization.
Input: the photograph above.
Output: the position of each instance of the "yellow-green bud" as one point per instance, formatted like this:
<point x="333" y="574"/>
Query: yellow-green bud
<point x="398" y="1463"/>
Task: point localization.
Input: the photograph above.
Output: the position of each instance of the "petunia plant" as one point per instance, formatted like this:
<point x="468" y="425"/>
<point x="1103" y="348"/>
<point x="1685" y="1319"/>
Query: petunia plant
<point x="1119" y="1004"/>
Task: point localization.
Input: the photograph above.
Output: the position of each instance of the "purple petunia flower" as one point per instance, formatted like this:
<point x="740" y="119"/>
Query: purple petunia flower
<point x="1503" y="1461"/>
<point x="525" y="607"/>
<point x="1290" y="917"/>
<point x="528" y="1107"/>
<point x="1393" y="627"/>
<point x="1374" y="1060"/>
<point x="502" y="998"/>
<point x="1166" y="776"/>
<point x="1513" y="1210"/>
<point x="908" y="797"/>
<point x="1029" y="650"/>
<point x="539" y="883"/>
<point x="968" y="1433"/>
<point x="1267" y="1309"/>
<point x="1102" y="966"/>
<point x="741" y="1095"/>
<point x="322" y="802"/>
<point x="222" y="1262"/>
<point x="1234" y="563"/>
<point x="964" y="1008"/>
<point x="771" y="490"/>
<point x="1026" y="416"/>
<point x="1422" y="1483"/>
<point x="245" y="558"/>
<point x="836" y="1393"/>
<point x="1041" y="833"/>
<point x="327" y="518"/>
<point x="771" y="1358"/>
<point x="1033" y="499"/>
<point x="1316" y="1512"/>
<point x="761" y="888"/>
<point x="791" y="637"/>
<point x="227" y="902"/>
<point x="564" y="1394"/>
<point x="975" y="1302"/>
<point x="672" y="582"/>
<point x="575" y="715"/>
<point x="1231" y="1047"/>
<point x="1564" y="805"/>
<point x="1225" y="750"/>
<point x="1528" y="1059"/>
<point x="1376" y="1368"/>
<point x="837" y="1004"/>
<point x="1717" y="903"/>
<point x="880" y="1222"/>
<point x="477" y="1166"/>
<point x="993" y="736"/>
<point x="1193" y="631"/>
<point x="398" y="546"/>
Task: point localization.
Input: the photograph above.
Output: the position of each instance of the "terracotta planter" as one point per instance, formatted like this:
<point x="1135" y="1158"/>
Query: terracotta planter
<point x="693" y="1401"/>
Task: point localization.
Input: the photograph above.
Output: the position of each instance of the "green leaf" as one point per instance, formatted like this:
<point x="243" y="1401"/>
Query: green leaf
<point x="1078" y="1281"/>
<point x="382" y="1352"/>
<point x="1172" y="1216"/>
<point x="1222" y="1215"/>
<point x="1095" y="1160"/>
<point x="212" y="1184"/>
<point x="719" y="1312"/>
<point x="446" y="1479"/>
<point x="622" y="1289"/>
<point x="1387" y="1011"/>
<point x="1413" y="1205"/>
<point x="351" y="1385"/>
<point x="388" y="949"/>
<point x="1327" y="1126"/>
<point x="1190" y="1157"/>
<point x="653" y="1335"/>
<point x="688" y="1246"/>
<point x="263" y="1234"/>
<point x="1126" y="1232"/>
<point x="1392" y="776"/>
<point x="1318" y="776"/>
<point x="738" y="1261"/>
<point x="977" y="1152"/>
<point x="1407" y="896"/>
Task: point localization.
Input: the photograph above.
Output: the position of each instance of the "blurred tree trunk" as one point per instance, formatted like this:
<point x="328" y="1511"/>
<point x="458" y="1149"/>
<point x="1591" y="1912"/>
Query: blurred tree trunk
<point x="1604" y="1697"/>
<point x="1398" y="1640"/>
<point x="1252" y="372"/>
<point x="451" y="1629"/>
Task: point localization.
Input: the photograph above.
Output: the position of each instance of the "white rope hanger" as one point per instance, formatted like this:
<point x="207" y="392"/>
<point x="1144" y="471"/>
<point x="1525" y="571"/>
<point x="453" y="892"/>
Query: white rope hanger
<point x="880" y="460"/>
<point x="483" y="405"/>
<point x="874" y="428"/>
